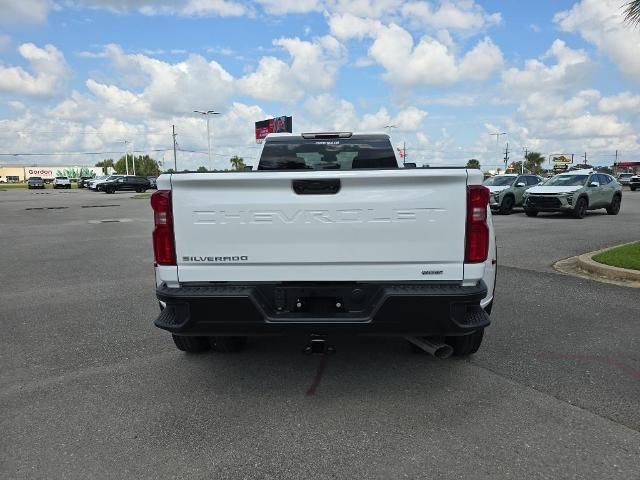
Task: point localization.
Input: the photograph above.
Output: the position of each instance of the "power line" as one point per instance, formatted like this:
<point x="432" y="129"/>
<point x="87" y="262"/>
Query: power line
<point x="40" y="154"/>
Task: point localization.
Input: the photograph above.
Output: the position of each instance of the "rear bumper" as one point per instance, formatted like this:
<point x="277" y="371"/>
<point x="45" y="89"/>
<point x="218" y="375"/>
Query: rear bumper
<point x="420" y="309"/>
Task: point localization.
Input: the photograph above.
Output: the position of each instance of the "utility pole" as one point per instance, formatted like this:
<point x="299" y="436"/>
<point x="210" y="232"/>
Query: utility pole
<point x="506" y="157"/>
<point x="585" y="158"/>
<point x="404" y="152"/>
<point x="526" y="152"/>
<point x="175" y="160"/>
<point x="126" y="156"/>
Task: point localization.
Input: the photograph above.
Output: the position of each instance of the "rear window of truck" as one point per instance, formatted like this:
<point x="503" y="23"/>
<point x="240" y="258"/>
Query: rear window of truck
<point x="296" y="153"/>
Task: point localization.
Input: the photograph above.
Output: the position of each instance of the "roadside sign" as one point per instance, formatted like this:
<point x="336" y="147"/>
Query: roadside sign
<point x="563" y="158"/>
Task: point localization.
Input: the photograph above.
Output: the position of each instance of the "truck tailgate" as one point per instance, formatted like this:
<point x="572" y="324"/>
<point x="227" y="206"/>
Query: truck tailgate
<point x="381" y="225"/>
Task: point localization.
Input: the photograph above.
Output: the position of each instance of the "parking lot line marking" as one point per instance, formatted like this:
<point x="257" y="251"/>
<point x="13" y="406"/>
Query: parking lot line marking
<point x="319" y="372"/>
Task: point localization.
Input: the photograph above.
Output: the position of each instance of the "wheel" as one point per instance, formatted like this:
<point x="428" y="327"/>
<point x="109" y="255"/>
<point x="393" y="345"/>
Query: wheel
<point x="614" y="208"/>
<point x="507" y="205"/>
<point x="580" y="210"/>
<point x="191" y="344"/>
<point x="530" y="213"/>
<point x="467" y="344"/>
<point x="633" y="189"/>
<point x="228" y="344"/>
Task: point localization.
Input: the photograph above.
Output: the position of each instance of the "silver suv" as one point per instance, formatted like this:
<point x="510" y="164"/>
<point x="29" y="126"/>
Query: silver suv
<point x="507" y="190"/>
<point x="575" y="192"/>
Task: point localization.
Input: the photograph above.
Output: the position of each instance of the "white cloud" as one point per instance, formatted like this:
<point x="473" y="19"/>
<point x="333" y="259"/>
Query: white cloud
<point x="600" y="22"/>
<point x="450" y="14"/>
<point x="620" y="102"/>
<point x="314" y="67"/>
<point x="347" y="26"/>
<point x="171" y="88"/>
<point x="23" y="11"/>
<point x="283" y="7"/>
<point x="571" y="68"/>
<point x="222" y="8"/>
<point x="49" y="72"/>
<point x="431" y="62"/>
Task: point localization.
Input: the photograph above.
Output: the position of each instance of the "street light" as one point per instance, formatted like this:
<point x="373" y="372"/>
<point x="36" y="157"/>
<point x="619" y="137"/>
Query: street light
<point x="207" y="114"/>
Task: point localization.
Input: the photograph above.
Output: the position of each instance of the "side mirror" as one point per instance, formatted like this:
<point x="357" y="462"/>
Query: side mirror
<point x="520" y="184"/>
<point x="410" y="165"/>
<point x="594" y="184"/>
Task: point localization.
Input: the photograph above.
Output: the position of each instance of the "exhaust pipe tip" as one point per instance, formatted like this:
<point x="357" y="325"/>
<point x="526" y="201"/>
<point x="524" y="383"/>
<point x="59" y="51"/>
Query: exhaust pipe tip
<point x="432" y="346"/>
<point x="443" y="351"/>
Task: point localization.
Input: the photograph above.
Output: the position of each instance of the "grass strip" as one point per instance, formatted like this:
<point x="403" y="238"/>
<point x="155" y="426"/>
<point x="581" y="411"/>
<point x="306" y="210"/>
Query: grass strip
<point x="626" y="256"/>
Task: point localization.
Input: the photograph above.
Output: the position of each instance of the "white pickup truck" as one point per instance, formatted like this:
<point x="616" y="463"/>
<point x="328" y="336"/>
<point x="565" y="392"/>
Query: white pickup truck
<point x="329" y="236"/>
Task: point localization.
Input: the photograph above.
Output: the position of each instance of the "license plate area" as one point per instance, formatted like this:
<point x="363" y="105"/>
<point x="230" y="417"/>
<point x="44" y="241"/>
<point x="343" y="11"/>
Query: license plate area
<point x="317" y="301"/>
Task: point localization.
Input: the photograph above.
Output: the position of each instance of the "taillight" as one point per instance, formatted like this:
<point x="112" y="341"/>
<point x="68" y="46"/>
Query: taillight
<point x="163" y="244"/>
<point x="477" y="238"/>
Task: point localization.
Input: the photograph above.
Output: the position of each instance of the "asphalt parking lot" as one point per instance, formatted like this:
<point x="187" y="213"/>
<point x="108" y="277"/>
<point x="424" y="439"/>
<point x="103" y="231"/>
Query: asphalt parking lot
<point x="90" y="389"/>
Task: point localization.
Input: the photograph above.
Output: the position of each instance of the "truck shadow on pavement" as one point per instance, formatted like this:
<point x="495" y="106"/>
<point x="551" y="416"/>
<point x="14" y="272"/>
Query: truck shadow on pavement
<point x="362" y="366"/>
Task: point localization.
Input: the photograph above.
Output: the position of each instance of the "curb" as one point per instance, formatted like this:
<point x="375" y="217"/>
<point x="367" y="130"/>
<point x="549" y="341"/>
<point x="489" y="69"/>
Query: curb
<point x="586" y="263"/>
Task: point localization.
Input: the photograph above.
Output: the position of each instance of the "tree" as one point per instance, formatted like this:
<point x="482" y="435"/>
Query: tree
<point x="145" y="166"/>
<point x="533" y="162"/>
<point x="202" y="170"/>
<point x="473" y="163"/>
<point x="105" y="165"/>
<point x="632" y="12"/>
<point x="608" y="170"/>
<point x="237" y="163"/>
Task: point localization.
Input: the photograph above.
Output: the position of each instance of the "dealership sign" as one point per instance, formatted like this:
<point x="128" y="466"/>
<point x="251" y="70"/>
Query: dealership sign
<point x="49" y="173"/>
<point x="564" y="158"/>
<point x="273" y="125"/>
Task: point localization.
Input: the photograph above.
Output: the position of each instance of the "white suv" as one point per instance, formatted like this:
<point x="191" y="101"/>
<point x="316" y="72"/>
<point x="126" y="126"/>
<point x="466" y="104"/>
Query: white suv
<point x="61" y="182"/>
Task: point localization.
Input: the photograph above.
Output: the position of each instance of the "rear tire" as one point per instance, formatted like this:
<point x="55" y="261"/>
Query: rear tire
<point x="466" y="344"/>
<point x="580" y="210"/>
<point x="507" y="205"/>
<point x="530" y="213"/>
<point x="633" y="189"/>
<point x="228" y="344"/>
<point x="614" y="208"/>
<point x="191" y="344"/>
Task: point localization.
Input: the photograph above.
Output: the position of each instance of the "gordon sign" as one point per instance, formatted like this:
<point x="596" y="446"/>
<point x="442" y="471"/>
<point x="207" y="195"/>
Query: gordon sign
<point x="49" y="173"/>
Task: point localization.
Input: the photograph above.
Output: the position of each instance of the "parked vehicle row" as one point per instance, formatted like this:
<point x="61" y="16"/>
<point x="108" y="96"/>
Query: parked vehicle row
<point x="116" y="183"/>
<point x="35" y="182"/>
<point x="573" y="192"/>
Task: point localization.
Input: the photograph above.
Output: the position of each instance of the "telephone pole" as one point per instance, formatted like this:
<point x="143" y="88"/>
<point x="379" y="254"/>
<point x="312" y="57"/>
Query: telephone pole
<point x="175" y="161"/>
<point x="526" y="152"/>
<point x="585" y="159"/>
<point x="506" y="157"/>
<point x="404" y="152"/>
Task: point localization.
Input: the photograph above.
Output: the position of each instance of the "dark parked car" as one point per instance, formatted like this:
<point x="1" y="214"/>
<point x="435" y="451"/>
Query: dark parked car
<point x="634" y="182"/>
<point x="35" y="182"/>
<point x="152" y="180"/>
<point x="82" y="180"/>
<point x="127" y="183"/>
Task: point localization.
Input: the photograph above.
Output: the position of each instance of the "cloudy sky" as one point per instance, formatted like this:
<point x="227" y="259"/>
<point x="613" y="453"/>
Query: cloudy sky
<point x="81" y="76"/>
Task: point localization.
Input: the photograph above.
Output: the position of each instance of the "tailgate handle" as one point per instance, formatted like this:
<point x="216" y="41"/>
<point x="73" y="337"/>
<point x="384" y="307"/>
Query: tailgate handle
<point x="316" y="187"/>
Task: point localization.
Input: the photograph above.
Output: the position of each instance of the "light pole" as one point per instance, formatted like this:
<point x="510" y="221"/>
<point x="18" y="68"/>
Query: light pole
<point x="498" y="135"/>
<point x="207" y="114"/>
<point x="126" y="155"/>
